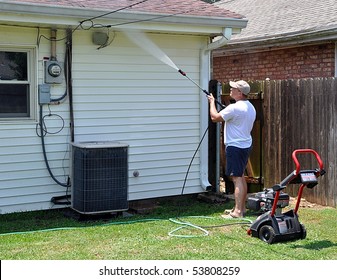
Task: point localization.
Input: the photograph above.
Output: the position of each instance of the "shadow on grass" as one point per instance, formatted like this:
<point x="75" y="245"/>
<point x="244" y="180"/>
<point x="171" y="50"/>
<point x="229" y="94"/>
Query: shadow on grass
<point x="316" y="245"/>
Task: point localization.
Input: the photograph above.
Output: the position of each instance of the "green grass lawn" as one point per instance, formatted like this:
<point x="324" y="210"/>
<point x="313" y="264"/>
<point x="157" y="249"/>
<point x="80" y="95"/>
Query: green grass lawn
<point x="52" y="235"/>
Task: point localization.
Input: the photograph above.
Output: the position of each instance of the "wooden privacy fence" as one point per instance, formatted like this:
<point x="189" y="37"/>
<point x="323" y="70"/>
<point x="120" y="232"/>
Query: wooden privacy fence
<point x="301" y="114"/>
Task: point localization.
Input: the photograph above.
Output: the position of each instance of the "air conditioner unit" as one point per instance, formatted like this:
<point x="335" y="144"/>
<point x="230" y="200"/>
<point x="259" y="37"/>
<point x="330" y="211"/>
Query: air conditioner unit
<point x="99" y="177"/>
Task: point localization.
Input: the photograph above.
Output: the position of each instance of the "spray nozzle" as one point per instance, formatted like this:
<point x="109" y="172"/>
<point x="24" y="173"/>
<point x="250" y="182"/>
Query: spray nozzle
<point x="182" y="72"/>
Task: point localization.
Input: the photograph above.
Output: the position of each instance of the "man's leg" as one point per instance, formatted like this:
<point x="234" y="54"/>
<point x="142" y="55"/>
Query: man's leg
<point x="240" y="194"/>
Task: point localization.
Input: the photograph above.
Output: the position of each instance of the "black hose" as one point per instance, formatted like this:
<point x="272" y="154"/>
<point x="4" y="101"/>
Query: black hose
<point x="67" y="72"/>
<point x="44" y="151"/>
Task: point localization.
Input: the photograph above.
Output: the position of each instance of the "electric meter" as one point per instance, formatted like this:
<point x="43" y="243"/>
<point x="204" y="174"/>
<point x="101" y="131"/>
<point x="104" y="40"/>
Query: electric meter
<point x="54" y="69"/>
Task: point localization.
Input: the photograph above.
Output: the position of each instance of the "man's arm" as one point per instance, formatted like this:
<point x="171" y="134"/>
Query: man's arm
<point x="215" y="116"/>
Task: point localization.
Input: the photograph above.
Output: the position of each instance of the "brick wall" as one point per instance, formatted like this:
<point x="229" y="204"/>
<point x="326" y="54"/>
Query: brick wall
<point x="290" y="63"/>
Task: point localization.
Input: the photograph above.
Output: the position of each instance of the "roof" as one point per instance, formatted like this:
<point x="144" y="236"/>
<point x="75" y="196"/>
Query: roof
<point x="194" y="16"/>
<point x="187" y="7"/>
<point x="271" y="19"/>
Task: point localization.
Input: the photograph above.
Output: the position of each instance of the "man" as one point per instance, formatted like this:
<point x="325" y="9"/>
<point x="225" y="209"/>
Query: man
<point x="238" y="121"/>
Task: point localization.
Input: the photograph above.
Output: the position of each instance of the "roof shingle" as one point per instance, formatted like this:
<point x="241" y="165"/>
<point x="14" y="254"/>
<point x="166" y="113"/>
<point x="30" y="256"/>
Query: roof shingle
<point x="186" y="7"/>
<point x="268" y="18"/>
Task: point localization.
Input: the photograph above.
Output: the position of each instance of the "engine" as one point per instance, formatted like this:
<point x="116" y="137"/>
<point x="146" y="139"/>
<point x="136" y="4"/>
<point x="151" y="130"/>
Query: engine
<point x="263" y="201"/>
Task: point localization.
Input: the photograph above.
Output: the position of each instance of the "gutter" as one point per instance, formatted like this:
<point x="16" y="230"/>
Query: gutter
<point x="205" y="56"/>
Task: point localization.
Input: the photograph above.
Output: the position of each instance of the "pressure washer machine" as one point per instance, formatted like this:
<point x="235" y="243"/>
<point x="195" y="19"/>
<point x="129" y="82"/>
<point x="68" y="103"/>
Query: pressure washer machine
<point x="274" y="226"/>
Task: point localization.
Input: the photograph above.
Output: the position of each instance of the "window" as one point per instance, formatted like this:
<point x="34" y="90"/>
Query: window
<point x="15" y="84"/>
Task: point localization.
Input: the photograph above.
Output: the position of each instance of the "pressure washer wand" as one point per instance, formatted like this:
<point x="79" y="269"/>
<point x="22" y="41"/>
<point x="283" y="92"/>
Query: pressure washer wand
<point x="203" y="90"/>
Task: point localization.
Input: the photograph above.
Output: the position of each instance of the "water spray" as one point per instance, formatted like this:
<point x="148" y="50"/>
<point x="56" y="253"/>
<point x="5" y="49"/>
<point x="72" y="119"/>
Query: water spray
<point x="143" y="42"/>
<point x="203" y="90"/>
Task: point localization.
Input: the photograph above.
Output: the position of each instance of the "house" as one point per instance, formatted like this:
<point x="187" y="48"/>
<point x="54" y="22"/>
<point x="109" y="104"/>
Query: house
<point x="100" y="72"/>
<point x="283" y="40"/>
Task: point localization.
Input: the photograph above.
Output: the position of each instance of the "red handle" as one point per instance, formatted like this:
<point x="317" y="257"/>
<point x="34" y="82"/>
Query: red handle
<point x="302" y="151"/>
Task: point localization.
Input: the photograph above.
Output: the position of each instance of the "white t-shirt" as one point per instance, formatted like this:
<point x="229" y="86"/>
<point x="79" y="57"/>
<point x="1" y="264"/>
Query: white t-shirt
<point x="239" y="119"/>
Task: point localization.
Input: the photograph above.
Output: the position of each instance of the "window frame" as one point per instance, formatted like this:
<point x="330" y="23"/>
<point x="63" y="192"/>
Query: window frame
<point x="31" y="82"/>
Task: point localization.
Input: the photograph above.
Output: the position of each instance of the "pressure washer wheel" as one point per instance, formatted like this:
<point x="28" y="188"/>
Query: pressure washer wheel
<point x="303" y="231"/>
<point x="267" y="234"/>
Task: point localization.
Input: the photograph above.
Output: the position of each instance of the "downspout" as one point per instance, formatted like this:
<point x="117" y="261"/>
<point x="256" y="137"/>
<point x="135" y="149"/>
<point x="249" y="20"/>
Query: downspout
<point x="205" y="56"/>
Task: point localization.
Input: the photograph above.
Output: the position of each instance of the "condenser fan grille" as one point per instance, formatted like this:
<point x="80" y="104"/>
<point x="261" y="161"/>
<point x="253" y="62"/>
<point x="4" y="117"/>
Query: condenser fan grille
<point x="100" y="177"/>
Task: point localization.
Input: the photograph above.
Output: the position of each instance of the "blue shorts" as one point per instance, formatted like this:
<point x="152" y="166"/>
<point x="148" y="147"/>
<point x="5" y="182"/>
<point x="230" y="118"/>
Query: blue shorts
<point x="236" y="160"/>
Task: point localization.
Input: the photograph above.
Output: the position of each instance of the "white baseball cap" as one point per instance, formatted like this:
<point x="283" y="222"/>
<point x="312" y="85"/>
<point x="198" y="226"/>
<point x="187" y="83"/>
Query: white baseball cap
<point x="241" y="85"/>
